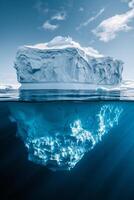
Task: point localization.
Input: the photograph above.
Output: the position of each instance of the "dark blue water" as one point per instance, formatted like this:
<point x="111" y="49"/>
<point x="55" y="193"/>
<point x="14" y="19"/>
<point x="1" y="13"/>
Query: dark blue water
<point x="105" y="171"/>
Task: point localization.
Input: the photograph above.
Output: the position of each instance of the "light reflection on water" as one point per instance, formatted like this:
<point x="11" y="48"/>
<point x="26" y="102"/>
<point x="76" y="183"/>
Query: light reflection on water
<point x="48" y="95"/>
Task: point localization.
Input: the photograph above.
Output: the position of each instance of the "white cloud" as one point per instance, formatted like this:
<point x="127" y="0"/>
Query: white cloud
<point x="59" y="16"/>
<point x="109" y="28"/>
<point x="131" y="4"/>
<point x="49" y="26"/>
<point x="55" y="15"/>
<point x="91" y="19"/>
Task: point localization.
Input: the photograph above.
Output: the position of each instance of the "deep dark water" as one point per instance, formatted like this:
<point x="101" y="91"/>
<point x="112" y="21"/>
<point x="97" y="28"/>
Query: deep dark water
<point x="106" y="172"/>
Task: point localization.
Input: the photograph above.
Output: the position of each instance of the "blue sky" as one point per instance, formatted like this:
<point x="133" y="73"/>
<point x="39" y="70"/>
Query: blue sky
<point x="106" y="25"/>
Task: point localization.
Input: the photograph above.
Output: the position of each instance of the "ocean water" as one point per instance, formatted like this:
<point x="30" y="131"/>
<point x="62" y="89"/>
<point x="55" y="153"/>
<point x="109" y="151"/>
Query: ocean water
<point x="66" y="146"/>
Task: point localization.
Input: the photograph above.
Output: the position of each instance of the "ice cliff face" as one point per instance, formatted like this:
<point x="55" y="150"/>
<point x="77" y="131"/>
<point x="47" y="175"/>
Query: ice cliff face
<point x="65" y="61"/>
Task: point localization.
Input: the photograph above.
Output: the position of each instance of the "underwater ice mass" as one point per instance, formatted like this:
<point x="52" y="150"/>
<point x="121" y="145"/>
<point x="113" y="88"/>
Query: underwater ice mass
<point x="58" y="134"/>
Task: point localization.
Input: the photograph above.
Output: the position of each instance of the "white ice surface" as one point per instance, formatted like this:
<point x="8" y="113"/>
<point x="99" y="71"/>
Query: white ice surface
<point x="64" y="61"/>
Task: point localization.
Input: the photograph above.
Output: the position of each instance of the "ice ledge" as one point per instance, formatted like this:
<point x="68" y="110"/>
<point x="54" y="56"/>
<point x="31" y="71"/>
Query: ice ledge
<point x="60" y="86"/>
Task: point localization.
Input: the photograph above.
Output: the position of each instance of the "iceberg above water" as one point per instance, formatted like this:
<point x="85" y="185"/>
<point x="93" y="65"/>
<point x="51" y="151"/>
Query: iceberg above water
<point x="64" y="61"/>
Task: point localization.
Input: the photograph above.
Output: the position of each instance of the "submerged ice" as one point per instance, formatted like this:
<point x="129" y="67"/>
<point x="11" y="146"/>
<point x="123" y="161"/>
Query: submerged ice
<point x="58" y="134"/>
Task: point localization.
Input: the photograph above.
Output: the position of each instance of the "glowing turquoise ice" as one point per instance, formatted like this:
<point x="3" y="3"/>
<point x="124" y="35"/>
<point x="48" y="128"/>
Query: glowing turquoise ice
<point x="58" y="134"/>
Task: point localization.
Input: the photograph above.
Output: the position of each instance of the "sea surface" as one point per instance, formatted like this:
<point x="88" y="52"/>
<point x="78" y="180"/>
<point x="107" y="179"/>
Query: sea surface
<point x="104" y="170"/>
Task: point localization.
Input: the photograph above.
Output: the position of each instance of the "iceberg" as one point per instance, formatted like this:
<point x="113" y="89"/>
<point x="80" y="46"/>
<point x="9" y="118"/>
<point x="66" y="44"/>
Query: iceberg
<point x="64" y="61"/>
<point x="8" y="88"/>
<point x="59" y="133"/>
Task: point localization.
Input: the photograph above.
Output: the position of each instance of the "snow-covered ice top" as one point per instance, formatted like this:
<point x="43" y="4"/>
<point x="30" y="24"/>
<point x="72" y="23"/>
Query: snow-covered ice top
<point x="64" y="61"/>
<point x="60" y="42"/>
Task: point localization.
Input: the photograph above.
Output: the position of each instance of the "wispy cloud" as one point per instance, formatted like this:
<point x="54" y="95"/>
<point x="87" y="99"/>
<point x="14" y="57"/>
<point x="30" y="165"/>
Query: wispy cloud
<point x="60" y="16"/>
<point x="109" y="28"/>
<point x="91" y="19"/>
<point x="51" y="23"/>
<point x="49" y="26"/>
